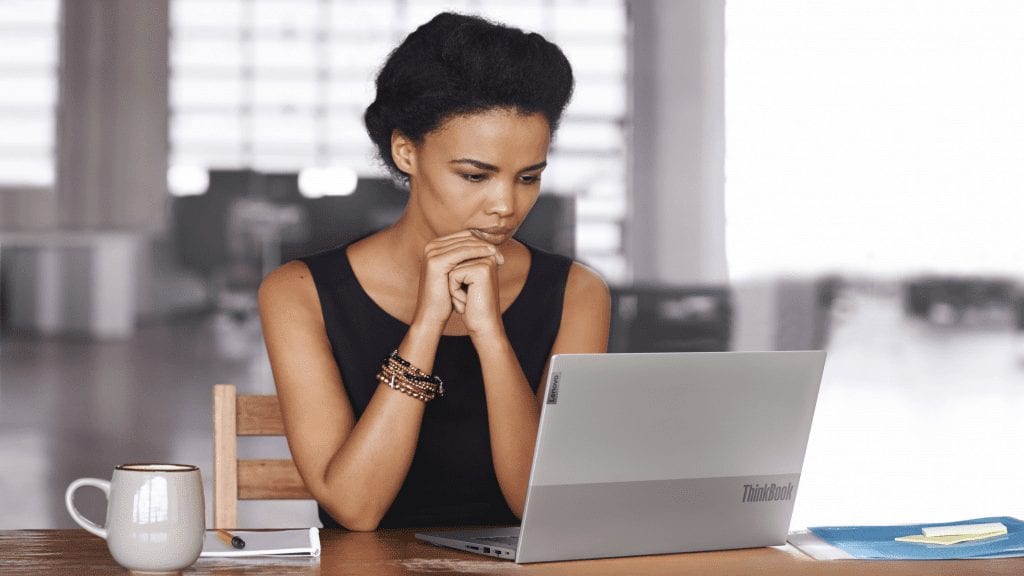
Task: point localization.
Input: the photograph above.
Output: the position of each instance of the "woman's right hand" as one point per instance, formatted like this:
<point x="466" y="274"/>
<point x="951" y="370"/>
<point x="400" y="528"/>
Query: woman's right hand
<point x="440" y="256"/>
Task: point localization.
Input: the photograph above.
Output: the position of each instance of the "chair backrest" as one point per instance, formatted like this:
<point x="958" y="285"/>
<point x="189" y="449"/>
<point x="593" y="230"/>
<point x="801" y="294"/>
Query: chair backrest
<point x="235" y="479"/>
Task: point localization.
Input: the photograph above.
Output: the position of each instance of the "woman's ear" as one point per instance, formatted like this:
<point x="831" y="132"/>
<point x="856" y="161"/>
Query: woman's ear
<point x="403" y="151"/>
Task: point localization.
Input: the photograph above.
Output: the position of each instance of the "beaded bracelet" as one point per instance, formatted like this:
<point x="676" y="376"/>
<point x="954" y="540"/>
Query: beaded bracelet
<point x="399" y="374"/>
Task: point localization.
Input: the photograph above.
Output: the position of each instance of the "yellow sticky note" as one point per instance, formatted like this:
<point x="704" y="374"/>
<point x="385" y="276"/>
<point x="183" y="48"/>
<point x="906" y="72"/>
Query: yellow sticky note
<point x="959" y="529"/>
<point x="951" y="539"/>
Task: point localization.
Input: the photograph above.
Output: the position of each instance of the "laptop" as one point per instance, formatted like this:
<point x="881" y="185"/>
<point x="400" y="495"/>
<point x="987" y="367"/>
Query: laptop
<point x="660" y="453"/>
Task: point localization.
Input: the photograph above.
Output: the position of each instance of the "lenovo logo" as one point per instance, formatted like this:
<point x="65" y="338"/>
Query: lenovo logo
<point x="767" y="492"/>
<point x="553" y="390"/>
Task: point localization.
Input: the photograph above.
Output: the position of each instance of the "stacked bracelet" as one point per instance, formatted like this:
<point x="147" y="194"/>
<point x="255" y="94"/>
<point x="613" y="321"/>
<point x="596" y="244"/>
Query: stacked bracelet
<point x="399" y="374"/>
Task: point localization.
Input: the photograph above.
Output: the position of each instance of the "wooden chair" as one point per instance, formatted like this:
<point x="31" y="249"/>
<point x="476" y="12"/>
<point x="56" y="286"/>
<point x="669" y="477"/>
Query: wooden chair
<point x="235" y="479"/>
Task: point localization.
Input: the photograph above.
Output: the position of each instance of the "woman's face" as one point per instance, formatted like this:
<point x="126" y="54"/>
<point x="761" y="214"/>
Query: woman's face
<point x="478" y="172"/>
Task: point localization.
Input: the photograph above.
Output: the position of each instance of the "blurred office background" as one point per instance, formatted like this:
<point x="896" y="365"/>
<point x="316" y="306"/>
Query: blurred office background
<point x="746" y="175"/>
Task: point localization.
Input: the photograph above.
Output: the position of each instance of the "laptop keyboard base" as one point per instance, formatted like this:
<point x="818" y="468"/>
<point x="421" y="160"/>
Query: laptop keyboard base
<point x="510" y="541"/>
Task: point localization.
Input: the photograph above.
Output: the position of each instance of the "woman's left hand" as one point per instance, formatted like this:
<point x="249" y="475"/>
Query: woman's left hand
<point x="473" y="285"/>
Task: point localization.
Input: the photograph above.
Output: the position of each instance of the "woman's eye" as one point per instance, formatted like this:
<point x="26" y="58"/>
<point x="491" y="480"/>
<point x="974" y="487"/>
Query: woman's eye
<point x="475" y="177"/>
<point x="529" y="178"/>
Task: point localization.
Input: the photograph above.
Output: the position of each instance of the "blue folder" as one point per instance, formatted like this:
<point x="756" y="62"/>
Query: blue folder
<point x="877" y="542"/>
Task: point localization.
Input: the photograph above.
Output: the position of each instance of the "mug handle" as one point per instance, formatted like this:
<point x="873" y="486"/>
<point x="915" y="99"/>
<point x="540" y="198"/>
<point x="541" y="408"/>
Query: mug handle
<point x="69" y="501"/>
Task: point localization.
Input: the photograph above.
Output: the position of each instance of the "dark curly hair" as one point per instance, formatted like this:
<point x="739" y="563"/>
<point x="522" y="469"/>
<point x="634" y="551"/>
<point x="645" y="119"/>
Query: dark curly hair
<point x="458" y="64"/>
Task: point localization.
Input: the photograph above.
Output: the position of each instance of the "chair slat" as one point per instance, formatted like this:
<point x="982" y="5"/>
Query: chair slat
<point x="225" y="457"/>
<point x="270" y="480"/>
<point x="259" y="416"/>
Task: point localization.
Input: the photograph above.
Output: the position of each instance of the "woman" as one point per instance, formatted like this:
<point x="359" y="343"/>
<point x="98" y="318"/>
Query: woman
<point x="408" y="364"/>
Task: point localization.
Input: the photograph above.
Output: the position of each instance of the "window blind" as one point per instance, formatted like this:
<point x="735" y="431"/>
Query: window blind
<point x="29" y="31"/>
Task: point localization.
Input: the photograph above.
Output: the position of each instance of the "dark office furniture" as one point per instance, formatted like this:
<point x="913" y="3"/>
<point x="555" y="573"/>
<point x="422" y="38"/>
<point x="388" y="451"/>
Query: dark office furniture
<point x="959" y="293"/>
<point x="670" y="319"/>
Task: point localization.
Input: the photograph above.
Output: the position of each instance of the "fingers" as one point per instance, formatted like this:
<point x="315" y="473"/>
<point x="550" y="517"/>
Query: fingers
<point x="456" y="238"/>
<point x="459" y="298"/>
<point x="473" y="292"/>
<point x="436" y="299"/>
<point x="457" y="286"/>
<point x="477" y="273"/>
<point x="470" y="272"/>
<point x="454" y="235"/>
<point x="460" y="250"/>
<point x="465" y="260"/>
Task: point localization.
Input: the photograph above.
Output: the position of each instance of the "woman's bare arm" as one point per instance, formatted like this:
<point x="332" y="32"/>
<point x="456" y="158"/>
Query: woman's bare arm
<point x="586" y="318"/>
<point x="353" y="468"/>
<point x="512" y="408"/>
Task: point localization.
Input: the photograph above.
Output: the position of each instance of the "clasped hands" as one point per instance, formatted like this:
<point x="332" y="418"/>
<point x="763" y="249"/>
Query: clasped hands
<point x="460" y="274"/>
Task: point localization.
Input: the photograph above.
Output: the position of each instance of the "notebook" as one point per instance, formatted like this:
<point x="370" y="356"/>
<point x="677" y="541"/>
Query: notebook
<point x="292" y="542"/>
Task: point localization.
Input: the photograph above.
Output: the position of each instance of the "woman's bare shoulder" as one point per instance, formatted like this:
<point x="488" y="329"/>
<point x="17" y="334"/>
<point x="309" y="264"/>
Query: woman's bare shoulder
<point x="586" y="310"/>
<point x="291" y="282"/>
<point x="585" y="283"/>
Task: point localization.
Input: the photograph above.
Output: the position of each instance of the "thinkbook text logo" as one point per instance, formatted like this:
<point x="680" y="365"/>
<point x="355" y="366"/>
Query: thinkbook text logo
<point x="767" y="492"/>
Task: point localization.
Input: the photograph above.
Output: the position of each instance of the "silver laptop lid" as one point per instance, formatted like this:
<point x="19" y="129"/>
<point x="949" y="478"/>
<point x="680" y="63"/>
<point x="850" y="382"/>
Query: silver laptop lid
<point x="659" y="453"/>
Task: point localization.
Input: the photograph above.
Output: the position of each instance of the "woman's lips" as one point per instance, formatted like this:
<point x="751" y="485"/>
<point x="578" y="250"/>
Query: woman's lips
<point x="495" y="235"/>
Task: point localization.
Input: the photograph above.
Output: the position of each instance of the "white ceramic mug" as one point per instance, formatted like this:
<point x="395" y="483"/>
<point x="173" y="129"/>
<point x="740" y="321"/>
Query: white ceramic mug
<point x="156" y="515"/>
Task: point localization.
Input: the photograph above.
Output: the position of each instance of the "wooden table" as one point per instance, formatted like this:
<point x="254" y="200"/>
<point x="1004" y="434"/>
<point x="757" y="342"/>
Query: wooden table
<point x="396" y="552"/>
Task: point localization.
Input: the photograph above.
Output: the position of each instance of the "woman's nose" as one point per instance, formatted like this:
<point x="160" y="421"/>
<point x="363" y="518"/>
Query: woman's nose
<point x="502" y="200"/>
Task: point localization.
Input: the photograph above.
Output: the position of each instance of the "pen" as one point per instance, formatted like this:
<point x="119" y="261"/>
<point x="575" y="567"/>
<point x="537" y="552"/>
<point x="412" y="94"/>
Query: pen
<point x="230" y="539"/>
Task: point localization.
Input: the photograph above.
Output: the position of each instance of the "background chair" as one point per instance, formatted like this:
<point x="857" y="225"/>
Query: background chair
<point x="235" y="479"/>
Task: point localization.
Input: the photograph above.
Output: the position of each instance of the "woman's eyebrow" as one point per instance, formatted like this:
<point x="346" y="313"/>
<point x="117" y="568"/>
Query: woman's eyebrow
<point x="475" y="164"/>
<point x="492" y="168"/>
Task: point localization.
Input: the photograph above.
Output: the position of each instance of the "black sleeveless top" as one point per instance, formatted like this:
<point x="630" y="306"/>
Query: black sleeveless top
<point x="452" y="479"/>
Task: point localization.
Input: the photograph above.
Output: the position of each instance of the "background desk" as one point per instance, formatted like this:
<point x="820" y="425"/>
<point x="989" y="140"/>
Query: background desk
<point x="81" y="283"/>
<point x="396" y="552"/>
